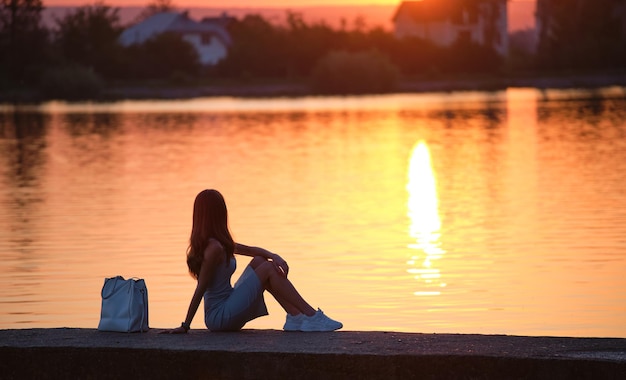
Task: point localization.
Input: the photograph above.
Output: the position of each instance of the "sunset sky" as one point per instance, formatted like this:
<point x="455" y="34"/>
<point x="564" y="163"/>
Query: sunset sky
<point x="232" y="3"/>
<point x="332" y="12"/>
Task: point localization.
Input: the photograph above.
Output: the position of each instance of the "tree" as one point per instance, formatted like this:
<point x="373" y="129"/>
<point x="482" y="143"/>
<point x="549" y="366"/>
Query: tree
<point x="416" y="56"/>
<point x="22" y="38"/>
<point x="490" y="12"/>
<point x="470" y="57"/>
<point x="342" y="72"/>
<point x="581" y="34"/>
<point x="166" y="55"/>
<point x="306" y="44"/>
<point x="261" y="49"/>
<point x="71" y="83"/>
<point x="258" y="50"/>
<point x="154" y="7"/>
<point x="88" y="37"/>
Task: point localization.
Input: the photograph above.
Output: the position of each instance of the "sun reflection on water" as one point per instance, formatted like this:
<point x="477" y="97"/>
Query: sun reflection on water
<point x="425" y="224"/>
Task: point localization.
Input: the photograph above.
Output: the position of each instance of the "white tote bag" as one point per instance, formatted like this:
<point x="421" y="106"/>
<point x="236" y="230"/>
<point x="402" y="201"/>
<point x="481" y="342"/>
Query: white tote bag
<point x="124" y="305"/>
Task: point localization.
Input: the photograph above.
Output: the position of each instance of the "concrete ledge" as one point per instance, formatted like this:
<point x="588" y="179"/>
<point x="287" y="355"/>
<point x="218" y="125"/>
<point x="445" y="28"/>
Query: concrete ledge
<point x="269" y="354"/>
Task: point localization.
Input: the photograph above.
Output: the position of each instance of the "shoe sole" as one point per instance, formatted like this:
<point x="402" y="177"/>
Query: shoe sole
<point x="305" y="329"/>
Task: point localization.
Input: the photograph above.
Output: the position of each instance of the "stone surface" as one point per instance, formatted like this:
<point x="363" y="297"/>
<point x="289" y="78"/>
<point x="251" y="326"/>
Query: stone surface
<point x="267" y="354"/>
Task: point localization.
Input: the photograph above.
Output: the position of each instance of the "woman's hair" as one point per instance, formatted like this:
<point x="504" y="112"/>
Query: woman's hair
<point x="210" y="220"/>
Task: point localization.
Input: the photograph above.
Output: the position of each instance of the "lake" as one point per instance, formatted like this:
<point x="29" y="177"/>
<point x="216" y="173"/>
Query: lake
<point x="470" y="212"/>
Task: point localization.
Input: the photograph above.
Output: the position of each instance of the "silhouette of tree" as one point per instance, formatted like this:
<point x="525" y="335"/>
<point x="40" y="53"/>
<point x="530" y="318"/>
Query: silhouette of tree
<point x="23" y="40"/>
<point x="416" y="56"/>
<point x="154" y="7"/>
<point x="306" y="44"/>
<point x="258" y="50"/>
<point x="164" y="56"/>
<point x="581" y="34"/>
<point x="261" y="49"/>
<point x="469" y="57"/>
<point x="491" y="11"/>
<point x="88" y="37"/>
<point x="342" y="72"/>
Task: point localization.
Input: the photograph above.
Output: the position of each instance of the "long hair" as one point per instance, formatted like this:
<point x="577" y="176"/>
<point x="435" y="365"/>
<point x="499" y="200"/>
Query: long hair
<point x="210" y="220"/>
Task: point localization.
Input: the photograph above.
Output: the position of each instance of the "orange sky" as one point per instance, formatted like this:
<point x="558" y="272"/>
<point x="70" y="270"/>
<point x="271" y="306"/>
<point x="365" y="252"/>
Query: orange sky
<point x="519" y="19"/>
<point x="232" y="3"/>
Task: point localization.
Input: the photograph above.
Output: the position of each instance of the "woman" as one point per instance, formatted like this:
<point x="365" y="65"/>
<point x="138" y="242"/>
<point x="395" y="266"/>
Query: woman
<point x="211" y="261"/>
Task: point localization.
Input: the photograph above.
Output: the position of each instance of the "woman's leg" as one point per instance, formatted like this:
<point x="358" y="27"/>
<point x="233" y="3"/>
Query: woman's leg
<point x="281" y="288"/>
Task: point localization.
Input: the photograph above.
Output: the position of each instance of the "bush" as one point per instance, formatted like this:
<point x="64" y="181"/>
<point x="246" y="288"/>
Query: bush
<point x="166" y="55"/>
<point x="71" y="83"/>
<point x="342" y="72"/>
<point x="469" y="57"/>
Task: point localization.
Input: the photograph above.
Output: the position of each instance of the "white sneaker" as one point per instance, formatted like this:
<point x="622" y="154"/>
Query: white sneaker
<point x="319" y="322"/>
<point x="293" y="322"/>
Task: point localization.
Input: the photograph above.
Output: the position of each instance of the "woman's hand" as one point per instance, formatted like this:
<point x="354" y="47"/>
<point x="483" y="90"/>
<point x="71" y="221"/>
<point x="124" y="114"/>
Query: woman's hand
<point x="178" y="330"/>
<point x="280" y="264"/>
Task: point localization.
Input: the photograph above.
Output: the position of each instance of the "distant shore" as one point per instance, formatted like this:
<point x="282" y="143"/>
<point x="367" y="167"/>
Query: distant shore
<point x="301" y="88"/>
<point x="298" y="89"/>
<point x="408" y="86"/>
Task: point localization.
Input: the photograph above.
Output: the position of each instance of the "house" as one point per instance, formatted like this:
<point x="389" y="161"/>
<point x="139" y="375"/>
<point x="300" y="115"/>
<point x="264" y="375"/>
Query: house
<point x="444" y="22"/>
<point x="209" y="37"/>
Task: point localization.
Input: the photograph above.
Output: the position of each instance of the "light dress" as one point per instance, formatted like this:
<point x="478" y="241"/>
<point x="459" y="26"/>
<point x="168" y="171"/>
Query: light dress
<point x="228" y="308"/>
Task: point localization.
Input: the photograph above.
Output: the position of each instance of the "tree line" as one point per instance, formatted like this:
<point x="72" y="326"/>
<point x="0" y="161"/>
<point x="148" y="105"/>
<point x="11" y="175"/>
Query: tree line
<point x="82" y="51"/>
<point x="581" y="34"/>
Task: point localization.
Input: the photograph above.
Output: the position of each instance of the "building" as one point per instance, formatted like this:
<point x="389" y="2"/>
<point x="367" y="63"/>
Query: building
<point x="209" y="37"/>
<point x="445" y="22"/>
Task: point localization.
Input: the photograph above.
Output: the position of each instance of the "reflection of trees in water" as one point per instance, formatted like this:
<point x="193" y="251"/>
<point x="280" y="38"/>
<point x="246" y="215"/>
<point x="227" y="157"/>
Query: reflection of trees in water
<point x="164" y="121"/>
<point x="104" y="143"/>
<point x="23" y="161"/>
<point x="102" y="124"/>
<point x="91" y="135"/>
<point x="490" y="119"/>
<point x="590" y="119"/>
<point x="591" y="106"/>
<point x="24" y="146"/>
<point x="489" y="116"/>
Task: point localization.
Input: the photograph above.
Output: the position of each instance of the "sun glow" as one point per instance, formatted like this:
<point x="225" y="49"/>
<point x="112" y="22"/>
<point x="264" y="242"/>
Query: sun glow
<point x="232" y="3"/>
<point x="425" y="224"/>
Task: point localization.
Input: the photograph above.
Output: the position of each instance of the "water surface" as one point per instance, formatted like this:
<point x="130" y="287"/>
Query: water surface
<point x="495" y="213"/>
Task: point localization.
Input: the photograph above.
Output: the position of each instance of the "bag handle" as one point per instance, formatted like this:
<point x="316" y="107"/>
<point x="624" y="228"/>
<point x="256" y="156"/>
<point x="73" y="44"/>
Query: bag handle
<point x="110" y="288"/>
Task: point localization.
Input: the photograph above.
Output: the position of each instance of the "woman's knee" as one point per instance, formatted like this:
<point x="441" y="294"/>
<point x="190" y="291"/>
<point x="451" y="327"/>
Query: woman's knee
<point x="257" y="261"/>
<point x="264" y="270"/>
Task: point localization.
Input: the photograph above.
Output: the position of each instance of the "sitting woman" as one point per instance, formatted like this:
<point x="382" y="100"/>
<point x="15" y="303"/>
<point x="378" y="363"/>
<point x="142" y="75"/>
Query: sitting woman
<point x="211" y="261"/>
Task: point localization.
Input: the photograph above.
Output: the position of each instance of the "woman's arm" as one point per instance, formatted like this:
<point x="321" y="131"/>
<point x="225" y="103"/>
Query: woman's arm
<point x="279" y="262"/>
<point x="213" y="254"/>
<point x="253" y="251"/>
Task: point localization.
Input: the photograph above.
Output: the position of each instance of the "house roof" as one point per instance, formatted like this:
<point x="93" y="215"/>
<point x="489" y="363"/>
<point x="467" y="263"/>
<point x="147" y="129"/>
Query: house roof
<point x="170" y="22"/>
<point x="435" y="10"/>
